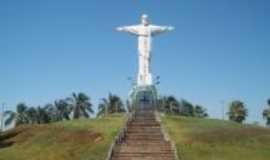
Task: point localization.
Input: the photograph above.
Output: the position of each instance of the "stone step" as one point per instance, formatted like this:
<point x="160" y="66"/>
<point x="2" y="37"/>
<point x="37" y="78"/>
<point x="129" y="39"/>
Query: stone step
<point x="148" y="132"/>
<point x="146" y="138"/>
<point x="143" y="124"/>
<point x="145" y="134"/>
<point x="149" y="115"/>
<point x="141" y="154"/>
<point x="146" y="156"/>
<point x="144" y="115"/>
<point x="142" y="158"/>
<point x="146" y="144"/>
<point x="149" y="140"/>
<point x="135" y="126"/>
<point x="142" y="129"/>
<point x="144" y="120"/>
<point x="143" y="149"/>
<point x="142" y="140"/>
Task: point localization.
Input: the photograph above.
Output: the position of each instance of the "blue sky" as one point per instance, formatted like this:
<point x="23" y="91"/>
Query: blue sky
<point x="218" y="52"/>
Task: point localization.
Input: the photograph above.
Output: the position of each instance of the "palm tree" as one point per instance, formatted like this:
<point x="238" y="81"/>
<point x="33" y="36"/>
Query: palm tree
<point x="52" y="112"/>
<point x="63" y="109"/>
<point x="115" y="104"/>
<point x="80" y="105"/>
<point x="32" y="116"/>
<point x="112" y="104"/>
<point x="103" y="108"/>
<point x="38" y="115"/>
<point x="42" y="115"/>
<point x="186" y="108"/>
<point x="200" y="112"/>
<point x="237" y="111"/>
<point x="172" y="105"/>
<point x="20" y="116"/>
<point x="266" y="114"/>
<point x="169" y="104"/>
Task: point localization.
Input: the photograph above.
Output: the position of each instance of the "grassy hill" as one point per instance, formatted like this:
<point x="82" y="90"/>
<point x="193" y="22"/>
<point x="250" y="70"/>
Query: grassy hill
<point x="206" y="139"/>
<point x="196" y="139"/>
<point x="71" y="140"/>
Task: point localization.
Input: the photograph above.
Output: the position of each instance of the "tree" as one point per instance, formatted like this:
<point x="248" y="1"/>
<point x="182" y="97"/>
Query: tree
<point x="186" y="109"/>
<point x="32" y="116"/>
<point x="42" y="115"/>
<point x="20" y="116"/>
<point x="62" y="110"/>
<point x="266" y="114"/>
<point x="200" y="112"/>
<point x="237" y="111"/>
<point x="52" y="112"/>
<point x="112" y="104"/>
<point x="80" y="105"/>
<point x="103" y="108"/>
<point x="169" y="104"/>
<point x="38" y="115"/>
<point x="172" y="105"/>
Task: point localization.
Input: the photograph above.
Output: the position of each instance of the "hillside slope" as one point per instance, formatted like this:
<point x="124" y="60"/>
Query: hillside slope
<point x="196" y="139"/>
<point x="206" y="139"/>
<point x="71" y="140"/>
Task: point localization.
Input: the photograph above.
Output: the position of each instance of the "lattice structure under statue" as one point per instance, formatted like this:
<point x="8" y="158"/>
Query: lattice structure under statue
<point x="143" y="96"/>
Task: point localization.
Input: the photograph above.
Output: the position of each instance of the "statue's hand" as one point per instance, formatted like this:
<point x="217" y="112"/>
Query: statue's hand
<point x="120" y="29"/>
<point x="170" y="28"/>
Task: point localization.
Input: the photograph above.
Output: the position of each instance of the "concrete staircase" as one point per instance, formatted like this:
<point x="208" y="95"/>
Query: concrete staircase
<point x="143" y="140"/>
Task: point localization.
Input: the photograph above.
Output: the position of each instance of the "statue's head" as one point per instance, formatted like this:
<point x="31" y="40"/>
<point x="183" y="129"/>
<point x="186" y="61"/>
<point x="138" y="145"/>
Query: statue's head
<point x="145" y="20"/>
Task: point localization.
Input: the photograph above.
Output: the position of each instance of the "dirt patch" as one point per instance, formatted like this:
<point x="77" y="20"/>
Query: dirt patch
<point x="80" y="136"/>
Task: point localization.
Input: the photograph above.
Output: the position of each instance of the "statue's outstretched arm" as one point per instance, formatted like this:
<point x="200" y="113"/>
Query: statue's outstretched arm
<point x="129" y="29"/>
<point x="160" y="29"/>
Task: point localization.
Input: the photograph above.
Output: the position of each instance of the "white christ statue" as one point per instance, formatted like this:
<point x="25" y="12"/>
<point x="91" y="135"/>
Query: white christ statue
<point x="145" y="31"/>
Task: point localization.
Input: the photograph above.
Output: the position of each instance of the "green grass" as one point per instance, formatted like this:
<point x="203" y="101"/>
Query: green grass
<point x="85" y="139"/>
<point x="206" y="139"/>
<point x="90" y="139"/>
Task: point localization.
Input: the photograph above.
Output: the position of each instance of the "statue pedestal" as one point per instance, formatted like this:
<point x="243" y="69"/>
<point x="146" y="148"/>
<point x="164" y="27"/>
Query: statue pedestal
<point x="143" y="97"/>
